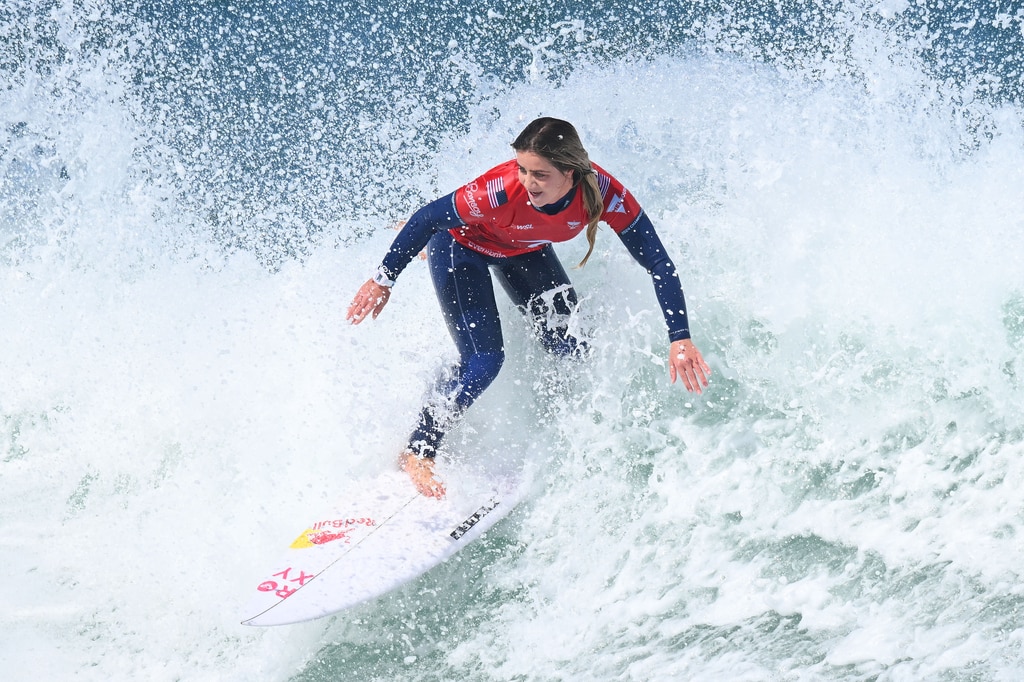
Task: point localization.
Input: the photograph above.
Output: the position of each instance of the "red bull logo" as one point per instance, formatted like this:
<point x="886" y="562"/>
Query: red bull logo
<point x="333" y="530"/>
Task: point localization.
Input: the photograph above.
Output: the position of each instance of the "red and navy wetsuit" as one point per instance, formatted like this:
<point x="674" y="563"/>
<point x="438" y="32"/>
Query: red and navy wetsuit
<point x="490" y="224"/>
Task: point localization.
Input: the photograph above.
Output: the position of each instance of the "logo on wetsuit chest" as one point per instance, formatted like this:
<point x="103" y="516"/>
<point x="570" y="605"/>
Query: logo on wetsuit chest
<point x="474" y="209"/>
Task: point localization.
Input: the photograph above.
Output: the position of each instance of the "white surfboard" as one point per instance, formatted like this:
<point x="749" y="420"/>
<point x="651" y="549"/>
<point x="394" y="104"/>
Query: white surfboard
<point x="376" y="539"/>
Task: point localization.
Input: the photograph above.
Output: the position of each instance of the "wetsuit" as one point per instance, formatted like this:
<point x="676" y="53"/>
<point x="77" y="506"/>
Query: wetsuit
<point x="489" y="225"/>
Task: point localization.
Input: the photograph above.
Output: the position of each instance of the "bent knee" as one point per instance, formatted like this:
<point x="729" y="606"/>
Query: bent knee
<point x="483" y="367"/>
<point x="479" y="370"/>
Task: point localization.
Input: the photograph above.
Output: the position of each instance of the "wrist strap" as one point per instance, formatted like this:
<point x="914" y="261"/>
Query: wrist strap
<point x="381" y="278"/>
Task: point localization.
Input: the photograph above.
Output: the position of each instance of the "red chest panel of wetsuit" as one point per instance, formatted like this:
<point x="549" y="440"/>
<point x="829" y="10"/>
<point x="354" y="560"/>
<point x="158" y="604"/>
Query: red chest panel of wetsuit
<point x="500" y="221"/>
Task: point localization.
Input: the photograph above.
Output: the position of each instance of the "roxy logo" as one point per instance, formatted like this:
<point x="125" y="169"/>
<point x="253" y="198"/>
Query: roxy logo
<point x="470" y="191"/>
<point x="280" y="587"/>
<point x="574" y="224"/>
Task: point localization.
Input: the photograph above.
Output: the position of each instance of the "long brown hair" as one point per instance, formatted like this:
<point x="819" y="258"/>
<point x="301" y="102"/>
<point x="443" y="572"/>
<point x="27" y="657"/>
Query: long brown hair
<point x="558" y="142"/>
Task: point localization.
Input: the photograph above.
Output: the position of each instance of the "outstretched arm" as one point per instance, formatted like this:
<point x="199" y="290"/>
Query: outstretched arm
<point x="685" y="361"/>
<point x="425" y="223"/>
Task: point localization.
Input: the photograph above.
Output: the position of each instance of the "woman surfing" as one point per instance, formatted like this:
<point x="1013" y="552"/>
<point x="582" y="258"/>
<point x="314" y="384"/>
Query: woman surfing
<point x="504" y="222"/>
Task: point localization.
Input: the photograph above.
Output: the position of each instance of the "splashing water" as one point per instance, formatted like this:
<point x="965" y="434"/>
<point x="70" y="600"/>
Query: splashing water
<point x="191" y="193"/>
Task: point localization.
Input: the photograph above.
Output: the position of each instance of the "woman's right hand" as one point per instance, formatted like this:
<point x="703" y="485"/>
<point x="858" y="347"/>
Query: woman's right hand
<point x="370" y="299"/>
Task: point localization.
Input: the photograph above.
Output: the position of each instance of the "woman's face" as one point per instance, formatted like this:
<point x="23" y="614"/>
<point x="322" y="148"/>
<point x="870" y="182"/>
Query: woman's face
<point x="544" y="183"/>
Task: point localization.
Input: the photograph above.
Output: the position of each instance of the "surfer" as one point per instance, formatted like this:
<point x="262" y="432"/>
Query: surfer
<point x="506" y="221"/>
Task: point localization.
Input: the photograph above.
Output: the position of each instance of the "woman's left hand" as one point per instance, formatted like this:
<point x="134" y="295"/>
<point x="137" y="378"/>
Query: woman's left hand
<point x="685" y="362"/>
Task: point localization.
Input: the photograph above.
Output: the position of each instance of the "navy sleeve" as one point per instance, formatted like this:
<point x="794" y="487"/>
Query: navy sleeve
<point x="438" y="215"/>
<point x="644" y="245"/>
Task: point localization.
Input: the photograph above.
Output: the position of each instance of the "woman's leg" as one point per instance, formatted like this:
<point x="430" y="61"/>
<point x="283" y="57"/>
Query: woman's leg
<point x="466" y="295"/>
<point x="537" y="283"/>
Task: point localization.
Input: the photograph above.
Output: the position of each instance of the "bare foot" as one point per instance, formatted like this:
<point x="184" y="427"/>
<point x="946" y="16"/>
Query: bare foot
<point x="421" y="471"/>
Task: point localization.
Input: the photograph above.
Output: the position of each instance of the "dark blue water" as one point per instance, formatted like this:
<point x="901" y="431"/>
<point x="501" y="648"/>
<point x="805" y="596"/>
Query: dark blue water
<point x="302" y="110"/>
